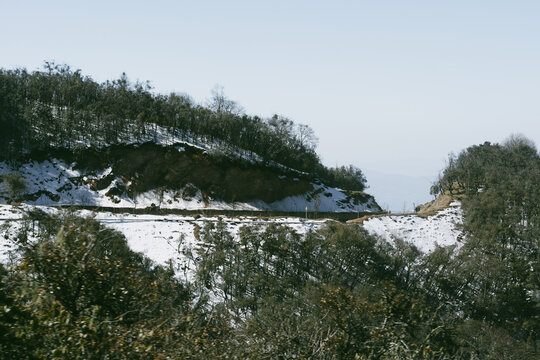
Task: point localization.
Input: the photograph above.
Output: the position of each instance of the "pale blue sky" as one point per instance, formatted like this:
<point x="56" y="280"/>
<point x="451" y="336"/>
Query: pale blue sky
<point x="389" y="86"/>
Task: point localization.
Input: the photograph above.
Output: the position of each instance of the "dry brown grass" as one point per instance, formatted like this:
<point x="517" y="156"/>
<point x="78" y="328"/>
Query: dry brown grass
<point x="440" y="203"/>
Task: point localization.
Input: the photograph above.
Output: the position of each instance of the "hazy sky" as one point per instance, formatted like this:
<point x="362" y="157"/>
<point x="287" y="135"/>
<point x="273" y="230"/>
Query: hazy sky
<point x="389" y="86"/>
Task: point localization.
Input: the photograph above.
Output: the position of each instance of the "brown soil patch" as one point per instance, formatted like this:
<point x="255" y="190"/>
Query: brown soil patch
<point x="433" y="207"/>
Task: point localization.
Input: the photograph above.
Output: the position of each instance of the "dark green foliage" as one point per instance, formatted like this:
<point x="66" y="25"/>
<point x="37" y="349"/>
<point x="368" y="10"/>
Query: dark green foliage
<point x="81" y="293"/>
<point x="499" y="263"/>
<point x="335" y="293"/>
<point x="275" y="262"/>
<point x="16" y="185"/>
<point x="346" y="177"/>
<point x="61" y="108"/>
<point x="150" y="166"/>
<point x="339" y="293"/>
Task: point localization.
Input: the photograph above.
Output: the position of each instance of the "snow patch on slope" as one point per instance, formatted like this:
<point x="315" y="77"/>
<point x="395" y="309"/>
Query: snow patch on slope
<point x="166" y="136"/>
<point x="425" y="233"/>
<point x="169" y="239"/>
<point x="54" y="182"/>
<point x="326" y="200"/>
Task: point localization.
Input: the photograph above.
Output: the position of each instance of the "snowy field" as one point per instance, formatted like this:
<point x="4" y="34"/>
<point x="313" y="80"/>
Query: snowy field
<point x="163" y="239"/>
<point x="173" y="238"/>
<point x="425" y="233"/>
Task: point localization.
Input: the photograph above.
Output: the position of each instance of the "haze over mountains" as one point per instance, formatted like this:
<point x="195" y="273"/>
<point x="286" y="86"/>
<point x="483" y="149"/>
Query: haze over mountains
<point x="399" y="193"/>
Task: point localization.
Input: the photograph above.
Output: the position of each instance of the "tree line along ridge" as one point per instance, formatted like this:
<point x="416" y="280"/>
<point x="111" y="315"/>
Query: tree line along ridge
<point x="62" y="108"/>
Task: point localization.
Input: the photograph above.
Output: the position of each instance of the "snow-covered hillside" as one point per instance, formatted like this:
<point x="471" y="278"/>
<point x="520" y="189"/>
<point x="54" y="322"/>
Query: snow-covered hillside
<point x="54" y="182"/>
<point x="163" y="239"/>
<point x="173" y="238"/>
<point x="57" y="181"/>
<point x="425" y="233"/>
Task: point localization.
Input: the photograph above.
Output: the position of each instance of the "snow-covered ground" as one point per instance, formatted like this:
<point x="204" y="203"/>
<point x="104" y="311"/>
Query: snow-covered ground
<point x="328" y="199"/>
<point x="54" y="182"/>
<point x="173" y="238"/>
<point x="425" y="233"/>
<point x="163" y="239"/>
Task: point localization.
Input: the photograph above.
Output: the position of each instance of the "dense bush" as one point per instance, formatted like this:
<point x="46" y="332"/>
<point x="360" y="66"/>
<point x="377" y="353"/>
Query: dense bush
<point x="336" y="293"/>
<point x="79" y="292"/>
<point x="500" y="259"/>
<point x="346" y="177"/>
<point x="61" y="108"/>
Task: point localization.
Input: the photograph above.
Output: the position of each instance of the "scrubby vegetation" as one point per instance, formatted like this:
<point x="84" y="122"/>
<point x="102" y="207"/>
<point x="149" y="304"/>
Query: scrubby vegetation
<point x="78" y="292"/>
<point x="270" y="293"/>
<point x="501" y="257"/>
<point x="62" y="108"/>
<point x="15" y="185"/>
<point x="149" y="167"/>
<point x="81" y="293"/>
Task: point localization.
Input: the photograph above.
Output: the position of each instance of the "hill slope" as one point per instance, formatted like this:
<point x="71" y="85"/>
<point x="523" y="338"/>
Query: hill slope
<point x="178" y="176"/>
<point x="118" y="144"/>
<point x="426" y="233"/>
